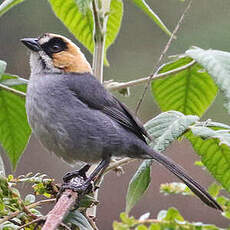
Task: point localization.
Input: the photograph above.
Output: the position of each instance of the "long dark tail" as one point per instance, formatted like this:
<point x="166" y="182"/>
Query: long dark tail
<point x="180" y="173"/>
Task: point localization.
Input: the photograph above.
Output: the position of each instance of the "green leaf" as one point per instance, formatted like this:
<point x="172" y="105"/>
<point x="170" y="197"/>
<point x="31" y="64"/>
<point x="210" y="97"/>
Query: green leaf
<point x="83" y="5"/>
<point x="14" y="128"/>
<point x="119" y="226"/>
<point x="171" y="214"/>
<point x="175" y="188"/>
<point x="166" y="219"/>
<point x="141" y="227"/>
<point x="205" y="132"/>
<point x="217" y="64"/>
<point x="2" y="67"/>
<point x="14" y="81"/>
<point x="8" y="4"/>
<point x="87" y="201"/>
<point x="78" y="219"/>
<point x="214" y="156"/>
<point x="167" y="127"/>
<point x="81" y="24"/>
<point x="164" y="129"/>
<point x="214" y="189"/>
<point x="210" y="123"/>
<point x="138" y="185"/>
<point x="148" y="11"/>
<point x="130" y="221"/>
<point x="190" y="91"/>
<point x="29" y="199"/>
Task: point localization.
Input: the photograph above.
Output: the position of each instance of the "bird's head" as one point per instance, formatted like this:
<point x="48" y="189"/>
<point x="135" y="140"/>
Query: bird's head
<point x="55" y="53"/>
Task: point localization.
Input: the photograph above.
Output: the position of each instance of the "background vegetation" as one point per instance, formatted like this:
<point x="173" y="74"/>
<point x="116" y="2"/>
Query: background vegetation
<point x="139" y="44"/>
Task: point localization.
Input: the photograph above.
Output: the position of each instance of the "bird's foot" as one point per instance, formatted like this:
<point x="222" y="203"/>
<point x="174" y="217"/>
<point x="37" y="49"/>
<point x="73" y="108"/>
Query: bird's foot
<point x="79" y="186"/>
<point x="77" y="173"/>
<point x="77" y="181"/>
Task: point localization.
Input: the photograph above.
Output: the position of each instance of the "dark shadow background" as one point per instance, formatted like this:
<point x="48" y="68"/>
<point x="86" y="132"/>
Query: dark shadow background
<point x="133" y="55"/>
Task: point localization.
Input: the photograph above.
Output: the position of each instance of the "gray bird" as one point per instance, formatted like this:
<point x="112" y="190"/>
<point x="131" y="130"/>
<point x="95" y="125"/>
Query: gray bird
<point x="75" y="117"/>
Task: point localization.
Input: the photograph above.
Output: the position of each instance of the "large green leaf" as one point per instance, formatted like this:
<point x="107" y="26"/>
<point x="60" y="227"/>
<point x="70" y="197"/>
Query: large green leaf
<point x="190" y="91"/>
<point x="83" y="5"/>
<point x="167" y="127"/>
<point x="215" y="156"/>
<point x="8" y="4"/>
<point x="205" y="132"/>
<point x="148" y="11"/>
<point x="138" y="185"/>
<point x="217" y="64"/>
<point x="14" y="128"/>
<point x="78" y="220"/>
<point x="81" y="23"/>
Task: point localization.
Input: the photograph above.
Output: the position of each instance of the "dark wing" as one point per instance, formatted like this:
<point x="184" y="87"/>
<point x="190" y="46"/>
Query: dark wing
<point x="92" y="93"/>
<point x="125" y="117"/>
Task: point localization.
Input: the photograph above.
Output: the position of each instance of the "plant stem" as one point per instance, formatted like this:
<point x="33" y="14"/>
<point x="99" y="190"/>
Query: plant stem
<point x="12" y="90"/>
<point x="100" y="20"/>
<point x="42" y="218"/>
<point x="98" y="60"/>
<point x="118" y="163"/>
<point x="33" y="205"/>
<point x="163" y="54"/>
<point x="122" y="85"/>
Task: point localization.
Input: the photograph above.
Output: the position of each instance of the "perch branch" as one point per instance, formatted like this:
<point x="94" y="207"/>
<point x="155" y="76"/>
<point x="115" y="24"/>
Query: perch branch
<point x="61" y="208"/>
<point x="162" y="55"/>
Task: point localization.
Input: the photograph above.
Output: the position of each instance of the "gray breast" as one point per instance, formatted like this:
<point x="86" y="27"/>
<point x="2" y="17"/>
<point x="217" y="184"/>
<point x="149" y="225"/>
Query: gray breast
<point x="58" y="120"/>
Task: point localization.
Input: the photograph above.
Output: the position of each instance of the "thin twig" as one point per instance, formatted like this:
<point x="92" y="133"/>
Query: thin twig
<point x="65" y="226"/>
<point x="119" y="163"/>
<point x="92" y="222"/>
<point x="150" y="221"/>
<point x="117" y="86"/>
<point x="42" y="218"/>
<point x="163" y="54"/>
<point x="28" y="212"/>
<point x="12" y="90"/>
<point x="57" y="214"/>
<point x="33" y="205"/>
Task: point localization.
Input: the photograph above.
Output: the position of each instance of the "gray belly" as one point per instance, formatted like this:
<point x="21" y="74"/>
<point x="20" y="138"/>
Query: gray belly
<point x="71" y="137"/>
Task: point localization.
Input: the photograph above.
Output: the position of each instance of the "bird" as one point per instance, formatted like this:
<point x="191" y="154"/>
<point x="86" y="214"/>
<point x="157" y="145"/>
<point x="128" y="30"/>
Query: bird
<point x="74" y="116"/>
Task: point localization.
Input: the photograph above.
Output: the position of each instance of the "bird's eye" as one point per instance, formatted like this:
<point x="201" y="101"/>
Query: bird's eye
<point x="54" y="45"/>
<point x="55" y="48"/>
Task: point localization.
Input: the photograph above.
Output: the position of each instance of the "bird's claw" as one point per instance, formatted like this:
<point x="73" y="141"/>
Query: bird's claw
<point x="77" y="182"/>
<point x="83" y="188"/>
<point x="81" y="172"/>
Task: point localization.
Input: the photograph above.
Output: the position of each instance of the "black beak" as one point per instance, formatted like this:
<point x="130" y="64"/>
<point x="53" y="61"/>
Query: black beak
<point x="31" y="43"/>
